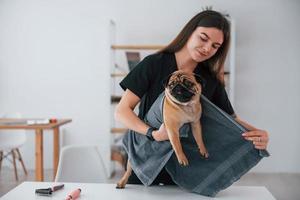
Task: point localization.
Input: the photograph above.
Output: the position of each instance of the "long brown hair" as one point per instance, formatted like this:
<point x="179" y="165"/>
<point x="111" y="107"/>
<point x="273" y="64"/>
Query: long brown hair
<point x="206" y="18"/>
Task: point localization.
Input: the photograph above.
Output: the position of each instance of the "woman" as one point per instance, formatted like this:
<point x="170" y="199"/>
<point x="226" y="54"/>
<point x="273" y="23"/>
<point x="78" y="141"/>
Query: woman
<point x="201" y="47"/>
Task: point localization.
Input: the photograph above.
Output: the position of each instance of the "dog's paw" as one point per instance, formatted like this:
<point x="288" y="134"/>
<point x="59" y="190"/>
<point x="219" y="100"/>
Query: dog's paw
<point x="183" y="160"/>
<point x="204" y="153"/>
<point x="120" y="185"/>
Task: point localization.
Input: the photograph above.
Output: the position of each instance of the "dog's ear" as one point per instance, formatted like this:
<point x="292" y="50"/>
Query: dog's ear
<point x="200" y="80"/>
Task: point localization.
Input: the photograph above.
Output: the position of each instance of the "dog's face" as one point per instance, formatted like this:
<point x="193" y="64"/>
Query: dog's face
<point x="183" y="86"/>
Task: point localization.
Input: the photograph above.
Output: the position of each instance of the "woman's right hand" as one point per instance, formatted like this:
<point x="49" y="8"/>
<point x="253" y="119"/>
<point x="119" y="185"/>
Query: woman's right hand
<point x="160" y="134"/>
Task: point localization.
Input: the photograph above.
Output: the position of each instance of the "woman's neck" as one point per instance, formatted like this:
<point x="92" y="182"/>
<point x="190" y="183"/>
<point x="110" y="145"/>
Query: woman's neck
<point x="184" y="60"/>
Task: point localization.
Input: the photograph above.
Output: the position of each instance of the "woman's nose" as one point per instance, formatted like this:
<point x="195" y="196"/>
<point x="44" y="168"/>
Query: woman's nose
<point x="206" y="48"/>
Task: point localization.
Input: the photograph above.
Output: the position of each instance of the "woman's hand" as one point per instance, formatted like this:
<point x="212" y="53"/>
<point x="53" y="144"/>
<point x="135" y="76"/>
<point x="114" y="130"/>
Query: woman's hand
<point x="260" y="138"/>
<point x="160" y="134"/>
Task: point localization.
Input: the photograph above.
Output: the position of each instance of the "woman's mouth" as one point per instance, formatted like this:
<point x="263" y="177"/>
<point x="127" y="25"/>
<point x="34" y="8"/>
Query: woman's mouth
<point x="200" y="54"/>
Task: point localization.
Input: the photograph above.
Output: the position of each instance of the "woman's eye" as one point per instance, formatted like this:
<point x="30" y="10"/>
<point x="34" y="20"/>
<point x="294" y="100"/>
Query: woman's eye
<point x="215" y="47"/>
<point x="203" y="39"/>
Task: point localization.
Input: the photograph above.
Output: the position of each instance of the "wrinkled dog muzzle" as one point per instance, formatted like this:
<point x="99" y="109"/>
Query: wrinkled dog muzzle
<point x="182" y="91"/>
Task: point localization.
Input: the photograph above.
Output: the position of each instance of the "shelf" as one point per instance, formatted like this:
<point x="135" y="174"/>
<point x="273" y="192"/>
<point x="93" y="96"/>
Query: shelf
<point x="117" y="154"/>
<point x="118" y="130"/>
<point x="118" y="157"/>
<point x="137" y="47"/>
<point x="113" y="75"/>
<point x="115" y="99"/>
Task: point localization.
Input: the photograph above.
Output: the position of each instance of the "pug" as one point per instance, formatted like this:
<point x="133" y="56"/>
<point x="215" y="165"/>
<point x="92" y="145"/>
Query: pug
<point x="181" y="105"/>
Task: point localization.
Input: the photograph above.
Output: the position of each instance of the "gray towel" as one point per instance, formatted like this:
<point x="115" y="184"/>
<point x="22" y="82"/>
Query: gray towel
<point x="230" y="155"/>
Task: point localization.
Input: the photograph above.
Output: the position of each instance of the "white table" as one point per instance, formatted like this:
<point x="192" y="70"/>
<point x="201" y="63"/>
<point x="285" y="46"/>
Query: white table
<point x="92" y="191"/>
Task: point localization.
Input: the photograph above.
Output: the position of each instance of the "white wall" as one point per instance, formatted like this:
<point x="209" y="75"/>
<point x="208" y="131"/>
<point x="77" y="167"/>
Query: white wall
<point x="267" y="83"/>
<point x="54" y="62"/>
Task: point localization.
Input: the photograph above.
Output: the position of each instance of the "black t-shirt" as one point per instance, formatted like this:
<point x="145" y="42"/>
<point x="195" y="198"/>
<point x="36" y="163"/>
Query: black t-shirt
<point x="146" y="81"/>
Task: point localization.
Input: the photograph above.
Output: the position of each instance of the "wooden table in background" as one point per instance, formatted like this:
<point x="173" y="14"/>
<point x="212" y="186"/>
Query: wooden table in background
<point x="6" y="123"/>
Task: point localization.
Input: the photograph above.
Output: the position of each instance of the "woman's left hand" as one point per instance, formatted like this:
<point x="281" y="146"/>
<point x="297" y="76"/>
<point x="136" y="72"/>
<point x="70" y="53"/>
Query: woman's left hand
<point x="260" y="138"/>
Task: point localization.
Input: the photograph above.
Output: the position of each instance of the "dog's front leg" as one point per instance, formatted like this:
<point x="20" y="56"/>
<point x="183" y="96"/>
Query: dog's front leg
<point x="197" y="133"/>
<point x="121" y="184"/>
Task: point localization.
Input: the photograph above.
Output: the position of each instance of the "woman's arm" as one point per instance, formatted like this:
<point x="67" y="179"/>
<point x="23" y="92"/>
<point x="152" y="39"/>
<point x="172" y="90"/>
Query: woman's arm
<point x="125" y="114"/>
<point x="260" y="138"/>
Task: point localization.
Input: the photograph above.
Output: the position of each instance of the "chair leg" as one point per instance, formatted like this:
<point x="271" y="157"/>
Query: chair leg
<point x="21" y="160"/>
<point x="14" y="162"/>
<point x="1" y="158"/>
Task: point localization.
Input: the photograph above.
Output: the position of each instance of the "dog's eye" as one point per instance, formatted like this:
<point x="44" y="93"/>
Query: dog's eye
<point x="187" y="83"/>
<point x="171" y="84"/>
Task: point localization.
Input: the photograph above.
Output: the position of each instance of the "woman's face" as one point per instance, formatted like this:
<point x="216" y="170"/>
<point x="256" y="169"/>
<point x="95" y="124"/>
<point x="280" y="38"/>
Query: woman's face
<point x="204" y="43"/>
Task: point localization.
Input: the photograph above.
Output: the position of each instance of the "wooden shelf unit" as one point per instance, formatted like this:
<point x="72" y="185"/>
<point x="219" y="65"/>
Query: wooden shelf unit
<point x="114" y="98"/>
<point x="118" y="130"/>
<point x="136" y="47"/>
